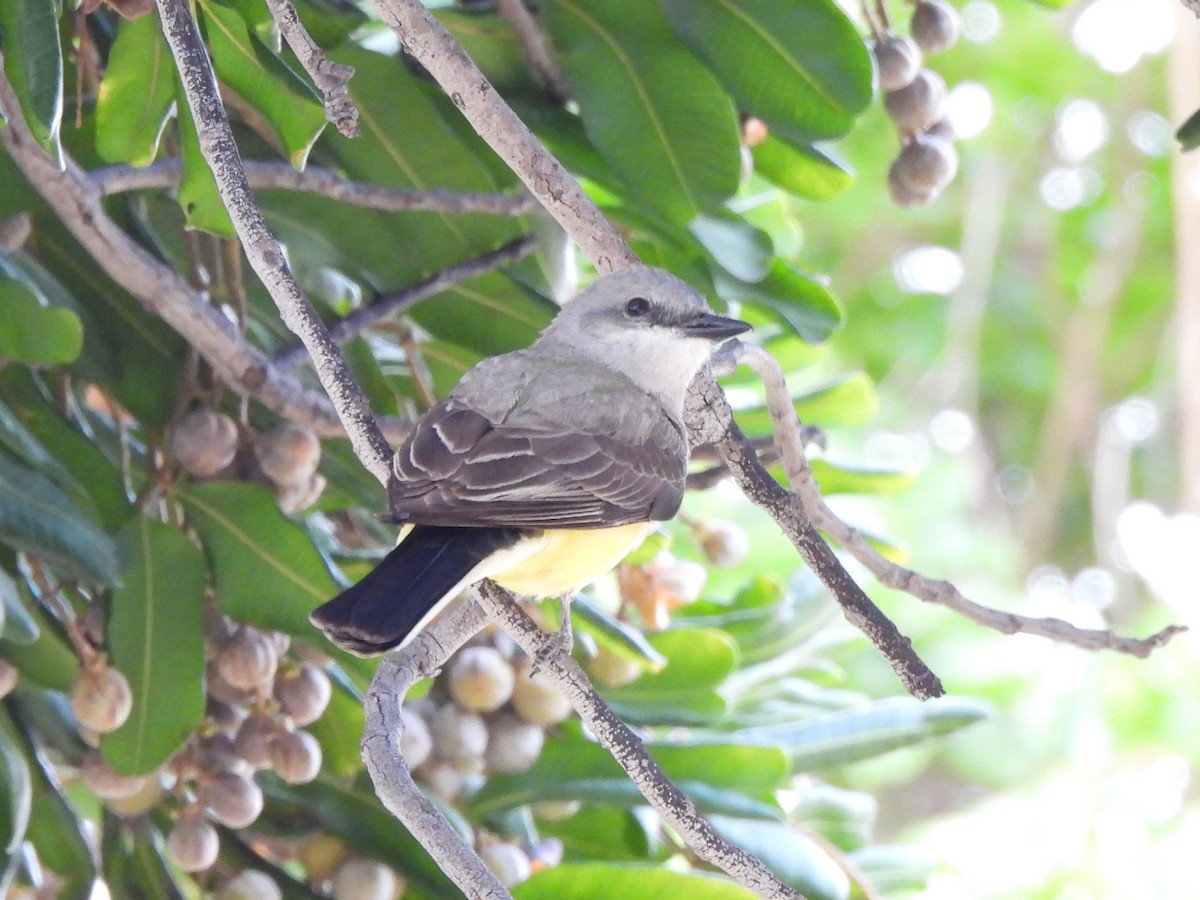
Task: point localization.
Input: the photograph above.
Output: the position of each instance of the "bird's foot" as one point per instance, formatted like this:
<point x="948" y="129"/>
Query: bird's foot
<point x="561" y="642"/>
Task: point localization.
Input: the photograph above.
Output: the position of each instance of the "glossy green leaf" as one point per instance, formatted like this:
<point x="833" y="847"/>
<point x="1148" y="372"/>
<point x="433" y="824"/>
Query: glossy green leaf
<point x="47" y="660"/>
<point x="36" y="516"/>
<point x="1188" y="134"/>
<point x="840" y="478"/>
<point x="862" y="732"/>
<point x="798" y="861"/>
<point x="844" y="817"/>
<point x="683" y="691"/>
<point x="599" y="833"/>
<point x="741" y="249"/>
<point x="330" y="21"/>
<point x="156" y="637"/>
<point x="893" y="870"/>
<point x="648" y="105"/>
<point x="804" y="170"/>
<point x="261" y="79"/>
<point x="19" y="626"/>
<point x="798" y="300"/>
<point x="16" y="797"/>
<point x="198" y="195"/>
<point x="586" y="881"/>
<point x="338" y="731"/>
<point x="358" y="819"/>
<point x="133" y="854"/>
<point x="135" y="95"/>
<point x="55" y="828"/>
<point x="33" y="64"/>
<point x="266" y="569"/>
<point x="30" y="331"/>
<point x="23" y="444"/>
<point x="615" y="636"/>
<point x="800" y="67"/>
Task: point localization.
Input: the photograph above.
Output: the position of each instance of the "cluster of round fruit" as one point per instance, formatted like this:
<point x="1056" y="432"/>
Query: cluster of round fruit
<point x="209" y="444"/>
<point x="914" y="97"/>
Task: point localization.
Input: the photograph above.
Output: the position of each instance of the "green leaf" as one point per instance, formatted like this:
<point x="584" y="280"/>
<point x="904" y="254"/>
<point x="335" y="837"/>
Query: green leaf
<point x="156" y="638"/>
<point x="135" y="95"/>
<point x="893" y="870"/>
<point x="18" y="624"/>
<point x="358" y="819"/>
<point x="586" y="881"/>
<point x="1188" y="133"/>
<point x="862" y="732"/>
<point x="198" y="195"/>
<point x="34" y="65"/>
<point x="24" y="445"/>
<point x="800" y="67"/>
<point x="797" y="860"/>
<point x="844" y="817"/>
<point x="30" y="331"/>
<point x="16" y="797"/>
<point x="267" y="570"/>
<point x="55" y="828"/>
<point x="648" y="105"/>
<point x="599" y="832"/>
<point x="262" y="79"/>
<point x="805" y="171"/>
<point x="683" y="691"/>
<point x="337" y="731"/>
<point x="739" y="247"/>
<point x="798" y="300"/>
<point x="616" y="636"/>
<point x="38" y="518"/>
<point x="840" y="478"/>
<point x="132" y="853"/>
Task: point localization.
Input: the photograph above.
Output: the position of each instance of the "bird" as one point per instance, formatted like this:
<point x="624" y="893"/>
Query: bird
<point x="544" y="467"/>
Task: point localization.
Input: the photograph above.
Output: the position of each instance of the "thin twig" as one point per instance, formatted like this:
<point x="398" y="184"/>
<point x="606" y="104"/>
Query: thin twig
<point x="710" y="420"/>
<point x="627" y="748"/>
<point x="330" y="77"/>
<point x="263" y="251"/>
<point x="381" y="742"/>
<point x="535" y="47"/>
<point x="428" y="42"/>
<point x="389" y="305"/>
<point x="799" y="474"/>
<point x="51" y="595"/>
<point x="160" y="289"/>
<point x="165" y="173"/>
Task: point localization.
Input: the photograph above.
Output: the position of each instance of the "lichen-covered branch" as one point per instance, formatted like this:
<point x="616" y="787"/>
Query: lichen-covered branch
<point x="331" y="78"/>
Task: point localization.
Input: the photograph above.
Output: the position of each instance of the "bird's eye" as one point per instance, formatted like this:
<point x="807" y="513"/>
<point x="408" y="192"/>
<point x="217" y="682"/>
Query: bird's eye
<point x="637" y="307"/>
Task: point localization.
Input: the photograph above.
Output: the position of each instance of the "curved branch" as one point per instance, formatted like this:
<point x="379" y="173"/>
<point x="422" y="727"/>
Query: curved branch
<point x="263" y="251"/>
<point x="160" y="289"/>
<point x="627" y="748"/>
<point x="330" y="77"/>
<point x="315" y="180"/>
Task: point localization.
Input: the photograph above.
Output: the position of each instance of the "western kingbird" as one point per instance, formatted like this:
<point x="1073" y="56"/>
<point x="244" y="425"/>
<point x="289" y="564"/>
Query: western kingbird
<point x="544" y="467"/>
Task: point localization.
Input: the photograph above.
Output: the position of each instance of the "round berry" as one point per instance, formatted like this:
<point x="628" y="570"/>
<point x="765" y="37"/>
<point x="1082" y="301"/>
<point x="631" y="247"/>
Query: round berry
<point x="101" y="699"/>
<point x="303" y="693"/>
<point x="925" y="165"/>
<point x="107" y="784"/>
<point x="725" y="544"/>
<point x="480" y="679"/>
<point x="232" y="799"/>
<point x="296" y="757"/>
<point x="458" y="734"/>
<point x="612" y="669"/>
<point x="918" y="105"/>
<point x="365" y="879"/>
<point x="898" y="61"/>
<point x="253" y="741"/>
<point x="514" y="744"/>
<point x="250" y="884"/>
<point x="193" y="842"/>
<point x="8" y="678"/>
<point x="508" y="862"/>
<point x="248" y="660"/>
<point x="935" y="25"/>
<point x="536" y="699"/>
<point x="289" y="455"/>
<point x="415" y="741"/>
<point x="204" y="442"/>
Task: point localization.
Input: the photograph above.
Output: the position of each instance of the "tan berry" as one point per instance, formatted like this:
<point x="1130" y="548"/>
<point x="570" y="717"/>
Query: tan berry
<point x="232" y="799"/>
<point x="444" y="779"/>
<point x="925" y="165"/>
<point x="296" y="757"/>
<point x="416" y="743"/>
<point x="943" y="128"/>
<point x="9" y="675"/>
<point x="480" y="679"/>
<point x="253" y="741"/>
<point x="935" y="25"/>
<point x="217" y="687"/>
<point x="303" y="693"/>
<point x="917" y="106"/>
<point x="204" y="442"/>
<point x="289" y="455"/>
<point x="101" y="699"/>
<point x="723" y="543"/>
<point x="536" y="699"/>
<point x="457" y="733"/>
<point x="611" y="669"/>
<point x="146" y="798"/>
<point x="193" y="842"/>
<point x="514" y="744"/>
<point x="296" y="497"/>
<point x="250" y="884"/>
<point x="248" y="660"/>
<point x="508" y="863"/>
<point x="107" y="784"/>
<point x="216" y="752"/>
<point x="364" y="879"/>
<point x="898" y="61"/>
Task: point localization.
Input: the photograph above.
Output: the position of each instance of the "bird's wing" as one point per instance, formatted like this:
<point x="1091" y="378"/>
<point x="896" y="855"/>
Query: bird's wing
<point x="609" y="458"/>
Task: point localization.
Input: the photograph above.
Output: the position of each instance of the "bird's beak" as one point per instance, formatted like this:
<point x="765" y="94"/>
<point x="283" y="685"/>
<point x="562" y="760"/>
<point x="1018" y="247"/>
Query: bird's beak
<point x="714" y="327"/>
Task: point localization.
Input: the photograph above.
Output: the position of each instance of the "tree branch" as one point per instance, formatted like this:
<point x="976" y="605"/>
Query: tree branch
<point x="382" y="735"/>
<point x="627" y="748"/>
<point x="396" y="302"/>
<point x="330" y="77"/>
<point x="710" y="420"/>
<point x="314" y="180"/>
<point x="428" y="42"/>
<point x="791" y="451"/>
<point x="263" y="251"/>
<point x="160" y="289"/>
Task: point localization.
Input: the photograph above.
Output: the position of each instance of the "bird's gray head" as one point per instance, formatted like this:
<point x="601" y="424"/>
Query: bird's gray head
<point x="646" y="323"/>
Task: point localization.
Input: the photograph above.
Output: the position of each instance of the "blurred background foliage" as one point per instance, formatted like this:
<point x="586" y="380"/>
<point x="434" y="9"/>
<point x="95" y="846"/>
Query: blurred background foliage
<point x="1005" y="376"/>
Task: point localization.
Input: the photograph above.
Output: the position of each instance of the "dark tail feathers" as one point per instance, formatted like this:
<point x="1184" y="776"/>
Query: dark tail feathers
<point x="382" y="610"/>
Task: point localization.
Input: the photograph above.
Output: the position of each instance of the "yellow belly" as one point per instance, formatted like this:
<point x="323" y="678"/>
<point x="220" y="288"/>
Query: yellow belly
<point x="563" y="561"/>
